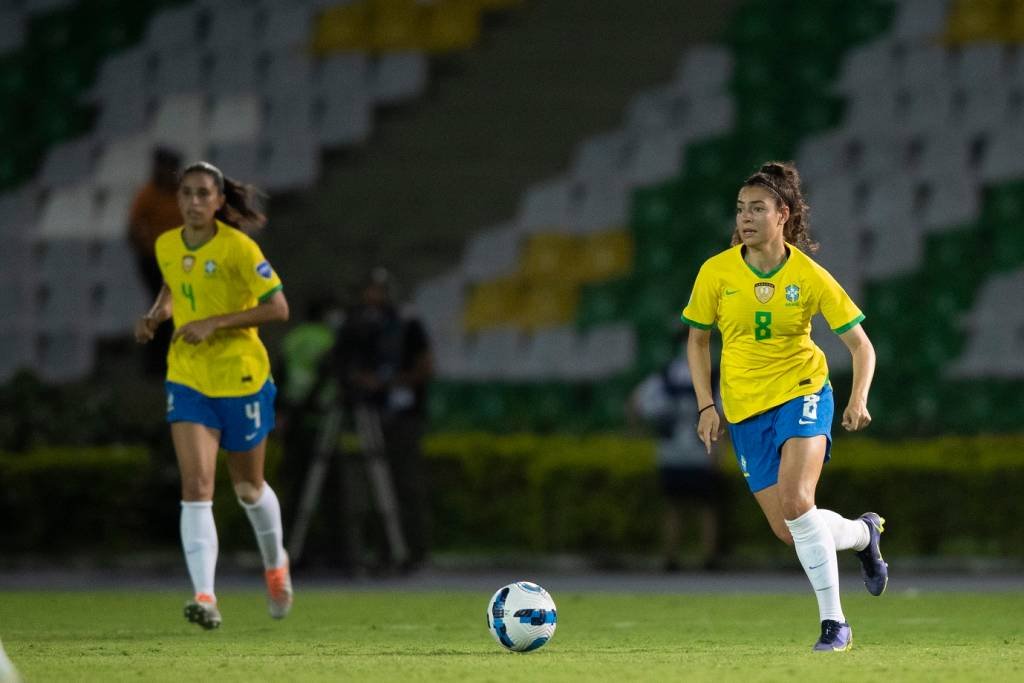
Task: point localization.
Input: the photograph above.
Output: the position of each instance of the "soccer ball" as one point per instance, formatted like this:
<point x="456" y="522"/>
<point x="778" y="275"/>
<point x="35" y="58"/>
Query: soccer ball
<point x="521" y="616"/>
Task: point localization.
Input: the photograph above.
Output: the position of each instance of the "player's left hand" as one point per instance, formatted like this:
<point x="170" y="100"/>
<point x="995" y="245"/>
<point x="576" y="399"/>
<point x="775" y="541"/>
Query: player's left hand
<point x="196" y="331"/>
<point x="856" y="416"/>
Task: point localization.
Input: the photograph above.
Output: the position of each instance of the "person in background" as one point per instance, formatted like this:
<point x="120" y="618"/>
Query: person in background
<point x="689" y="475"/>
<point x="153" y="212"/>
<point x="303" y="399"/>
<point x="219" y="288"/>
<point x="384" y="360"/>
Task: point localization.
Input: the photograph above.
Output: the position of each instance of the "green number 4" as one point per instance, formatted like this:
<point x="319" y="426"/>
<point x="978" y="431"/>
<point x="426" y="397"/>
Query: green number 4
<point x="762" y="325"/>
<point x="186" y="289"/>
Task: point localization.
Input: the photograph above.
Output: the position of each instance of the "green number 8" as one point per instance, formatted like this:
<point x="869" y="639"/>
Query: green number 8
<point x="762" y="325"/>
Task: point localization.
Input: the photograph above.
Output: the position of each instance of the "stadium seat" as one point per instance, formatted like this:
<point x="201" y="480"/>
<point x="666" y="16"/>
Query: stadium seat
<point x="287" y="27"/>
<point x="68" y="163"/>
<point x="658" y="157"/>
<point x="15" y="351"/>
<point x="343" y="28"/>
<point x="600" y="157"/>
<point x="920" y="21"/>
<point x="398" y="77"/>
<point x="604" y="256"/>
<point x="68" y="212"/>
<point x="290" y="164"/>
<point x="973" y="21"/>
<point x="1003" y="161"/>
<point x="238" y="160"/>
<point x="491" y="303"/>
<point x="231" y="22"/>
<point x="175" y="71"/>
<point x="954" y="202"/>
<point x="549" y="256"/>
<point x="493" y="353"/>
<point x="235" y="69"/>
<point x="288" y="115"/>
<point x="491" y="253"/>
<point x="174" y="28"/>
<point x="452" y="26"/>
<point x="346" y="119"/>
<point x="120" y="294"/>
<point x="12" y="30"/>
<point x="547" y="353"/>
<point x="547" y="304"/>
<point x="64" y="355"/>
<point x="111" y="217"/>
<point x="599" y="205"/>
<point x="396" y="25"/>
<point x="234" y="119"/>
<point x="704" y="69"/>
<point x="181" y="122"/>
<point x="604" y="351"/>
<point x="545" y="207"/>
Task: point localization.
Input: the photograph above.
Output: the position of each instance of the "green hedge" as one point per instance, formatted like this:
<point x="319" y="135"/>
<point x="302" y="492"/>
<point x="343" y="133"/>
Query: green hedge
<point x="599" y="494"/>
<point x="595" y="494"/>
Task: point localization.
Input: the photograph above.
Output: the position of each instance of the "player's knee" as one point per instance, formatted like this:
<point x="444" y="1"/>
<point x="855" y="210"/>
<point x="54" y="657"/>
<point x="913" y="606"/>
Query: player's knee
<point x="197" y="488"/>
<point x="248" y="492"/>
<point x="796" y="504"/>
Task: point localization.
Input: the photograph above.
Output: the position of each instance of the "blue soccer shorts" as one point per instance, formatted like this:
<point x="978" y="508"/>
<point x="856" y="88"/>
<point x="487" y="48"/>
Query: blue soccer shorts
<point x="243" y="421"/>
<point x="758" y="440"/>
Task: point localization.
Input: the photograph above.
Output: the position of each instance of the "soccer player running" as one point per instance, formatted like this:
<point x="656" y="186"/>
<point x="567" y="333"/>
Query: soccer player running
<point x="762" y="294"/>
<point x="218" y="287"/>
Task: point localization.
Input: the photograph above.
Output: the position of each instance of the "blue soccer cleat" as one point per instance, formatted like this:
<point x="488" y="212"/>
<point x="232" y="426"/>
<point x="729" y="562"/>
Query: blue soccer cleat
<point x="872" y="567"/>
<point x="835" y="637"/>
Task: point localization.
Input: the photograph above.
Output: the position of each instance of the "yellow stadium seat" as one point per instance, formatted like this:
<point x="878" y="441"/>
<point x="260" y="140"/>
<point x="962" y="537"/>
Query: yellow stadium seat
<point x="605" y="256"/>
<point x="1014" y="23"/>
<point x="494" y="303"/>
<point x="550" y="256"/>
<point x="343" y="28"/>
<point x="397" y="25"/>
<point x="972" y="21"/>
<point x="452" y="25"/>
<point x="548" y="303"/>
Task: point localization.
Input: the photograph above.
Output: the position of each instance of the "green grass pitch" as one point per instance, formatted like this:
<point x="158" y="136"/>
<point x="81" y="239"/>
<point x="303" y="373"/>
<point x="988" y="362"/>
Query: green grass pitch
<point x="335" y="635"/>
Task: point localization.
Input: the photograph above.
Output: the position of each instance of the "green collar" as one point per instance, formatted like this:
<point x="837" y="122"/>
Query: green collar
<point x="771" y="272"/>
<point x="216" y="231"/>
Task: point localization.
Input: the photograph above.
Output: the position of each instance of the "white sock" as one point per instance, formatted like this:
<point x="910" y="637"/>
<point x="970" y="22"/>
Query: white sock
<point x="265" y="517"/>
<point x="199" y="541"/>
<point x="817" y="552"/>
<point x="849" y="534"/>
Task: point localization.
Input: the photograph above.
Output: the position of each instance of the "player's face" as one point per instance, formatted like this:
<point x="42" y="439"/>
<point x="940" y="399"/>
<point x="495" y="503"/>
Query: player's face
<point x="759" y="220"/>
<point x="199" y="199"/>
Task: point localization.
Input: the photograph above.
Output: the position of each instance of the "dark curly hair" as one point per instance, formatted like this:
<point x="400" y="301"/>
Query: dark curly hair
<point x="243" y="203"/>
<point x="782" y="180"/>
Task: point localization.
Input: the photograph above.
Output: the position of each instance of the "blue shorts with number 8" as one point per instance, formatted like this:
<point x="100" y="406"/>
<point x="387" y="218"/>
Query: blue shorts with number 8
<point x="758" y="440"/>
<point x="243" y="421"/>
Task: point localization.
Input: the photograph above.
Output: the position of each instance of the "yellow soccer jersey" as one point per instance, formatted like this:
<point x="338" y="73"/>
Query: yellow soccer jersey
<point x="226" y="274"/>
<point x="768" y="357"/>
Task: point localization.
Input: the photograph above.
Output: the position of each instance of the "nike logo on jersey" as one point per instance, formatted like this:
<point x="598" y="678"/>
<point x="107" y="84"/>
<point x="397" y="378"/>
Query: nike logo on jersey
<point x="250" y="437"/>
<point x="730" y="292"/>
<point x="806" y="422"/>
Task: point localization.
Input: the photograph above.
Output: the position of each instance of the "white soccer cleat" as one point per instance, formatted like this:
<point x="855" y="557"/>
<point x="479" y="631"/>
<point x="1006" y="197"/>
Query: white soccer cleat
<point x="203" y="611"/>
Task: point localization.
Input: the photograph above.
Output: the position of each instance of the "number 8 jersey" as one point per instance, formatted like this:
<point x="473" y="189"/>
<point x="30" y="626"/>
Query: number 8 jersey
<point x="225" y="274"/>
<point x="768" y="357"/>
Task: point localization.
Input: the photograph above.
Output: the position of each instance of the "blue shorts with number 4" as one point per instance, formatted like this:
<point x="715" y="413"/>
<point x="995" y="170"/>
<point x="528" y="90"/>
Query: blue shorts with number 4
<point x="758" y="440"/>
<point x="243" y="421"/>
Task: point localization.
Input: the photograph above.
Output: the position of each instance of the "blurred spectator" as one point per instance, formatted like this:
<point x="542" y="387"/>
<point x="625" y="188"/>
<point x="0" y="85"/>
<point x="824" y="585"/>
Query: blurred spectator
<point x="154" y="211"/>
<point x="385" y="363"/>
<point x="304" y="400"/>
<point x="688" y="475"/>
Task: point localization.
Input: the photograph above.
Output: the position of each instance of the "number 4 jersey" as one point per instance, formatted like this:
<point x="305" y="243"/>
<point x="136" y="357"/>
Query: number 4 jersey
<point x="226" y="274"/>
<point x="768" y="357"/>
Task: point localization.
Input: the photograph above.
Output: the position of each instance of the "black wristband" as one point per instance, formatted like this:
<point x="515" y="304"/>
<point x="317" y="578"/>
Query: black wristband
<point x="710" y="405"/>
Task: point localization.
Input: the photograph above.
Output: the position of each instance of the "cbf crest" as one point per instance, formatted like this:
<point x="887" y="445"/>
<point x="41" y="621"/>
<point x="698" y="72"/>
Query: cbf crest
<point x="188" y="261"/>
<point x="764" y="291"/>
<point x="792" y="294"/>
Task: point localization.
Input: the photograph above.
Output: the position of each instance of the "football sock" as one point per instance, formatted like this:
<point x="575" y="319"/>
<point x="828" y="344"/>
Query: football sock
<point x="265" y="517"/>
<point x="849" y="534"/>
<point x="199" y="541"/>
<point x="817" y="552"/>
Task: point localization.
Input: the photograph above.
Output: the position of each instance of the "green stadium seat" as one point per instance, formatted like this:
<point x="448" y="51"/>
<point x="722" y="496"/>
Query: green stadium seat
<point x="603" y="303"/>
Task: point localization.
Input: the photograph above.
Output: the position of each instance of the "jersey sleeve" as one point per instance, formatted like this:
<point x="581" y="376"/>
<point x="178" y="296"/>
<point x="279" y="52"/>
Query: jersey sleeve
<point x="256" y="271"/>
<point x="702" y="309"/>
<point x="836" y="306"/>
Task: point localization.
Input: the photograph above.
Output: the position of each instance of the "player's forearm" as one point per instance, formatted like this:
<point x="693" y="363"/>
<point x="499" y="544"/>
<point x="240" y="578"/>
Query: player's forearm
<point x="863" y="371"/>
<point x="698" y="355"/>
<point x="272" y="310"/>
<point x="162" y="307"/>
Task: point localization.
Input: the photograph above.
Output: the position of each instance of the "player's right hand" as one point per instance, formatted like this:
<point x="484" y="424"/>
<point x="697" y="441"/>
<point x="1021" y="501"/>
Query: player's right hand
<point x="709" y="427"/>
<point x="145" y="328"/>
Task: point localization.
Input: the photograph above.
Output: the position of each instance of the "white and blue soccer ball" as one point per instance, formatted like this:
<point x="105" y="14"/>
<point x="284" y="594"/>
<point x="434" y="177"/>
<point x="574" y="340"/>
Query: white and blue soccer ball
<point x="521" y="616"/>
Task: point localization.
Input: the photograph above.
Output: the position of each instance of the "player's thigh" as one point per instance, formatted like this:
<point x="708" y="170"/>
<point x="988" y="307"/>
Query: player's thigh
<point x="196" y="446"/>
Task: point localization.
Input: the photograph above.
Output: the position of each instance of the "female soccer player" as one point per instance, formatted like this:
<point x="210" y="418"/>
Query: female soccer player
<point x="775" y="391"/>
<point x="218" y="287"/>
